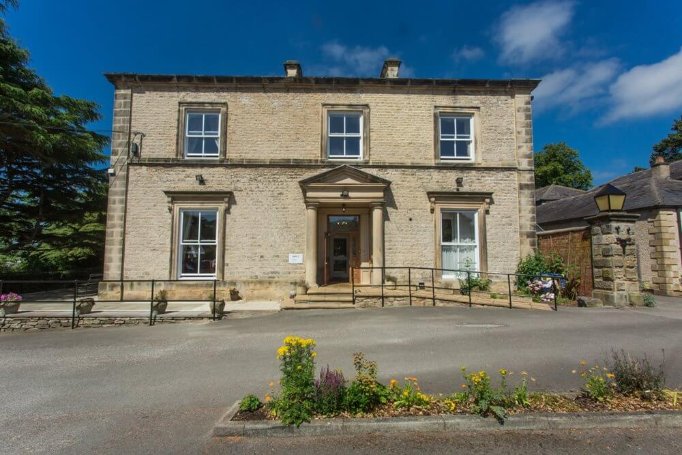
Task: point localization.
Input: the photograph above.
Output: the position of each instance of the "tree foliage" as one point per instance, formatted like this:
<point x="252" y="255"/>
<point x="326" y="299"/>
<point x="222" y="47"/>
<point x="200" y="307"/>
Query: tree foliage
<point x="560" y="164"/>
<point x="51" y="190"/>
<point x="670" y="147"/>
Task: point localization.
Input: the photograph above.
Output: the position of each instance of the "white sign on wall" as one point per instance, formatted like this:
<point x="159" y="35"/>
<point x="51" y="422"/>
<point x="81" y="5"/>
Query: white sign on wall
<point x="295" y="258"/>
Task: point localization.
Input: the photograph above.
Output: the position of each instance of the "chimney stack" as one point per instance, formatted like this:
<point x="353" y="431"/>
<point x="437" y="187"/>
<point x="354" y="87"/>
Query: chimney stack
<point x="391" y="68"/>
<point x="660" y="169"/>
<point x="293" y="69"/>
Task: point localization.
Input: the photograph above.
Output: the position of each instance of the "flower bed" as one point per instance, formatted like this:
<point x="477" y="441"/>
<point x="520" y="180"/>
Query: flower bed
<point x="626" y="385"/>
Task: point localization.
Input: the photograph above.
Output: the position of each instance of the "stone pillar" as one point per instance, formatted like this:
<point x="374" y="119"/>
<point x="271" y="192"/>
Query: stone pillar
<point x="614" y="259"/>
<point x="311" y="244"/>
<point x="114" y="244"/>
<point x="665" y="252"/>
<point x="377" y="240"/>
<point x="525" y="174"/>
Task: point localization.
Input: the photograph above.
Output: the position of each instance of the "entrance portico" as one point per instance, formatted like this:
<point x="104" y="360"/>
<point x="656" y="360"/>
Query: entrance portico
<point x="344" y="225"/>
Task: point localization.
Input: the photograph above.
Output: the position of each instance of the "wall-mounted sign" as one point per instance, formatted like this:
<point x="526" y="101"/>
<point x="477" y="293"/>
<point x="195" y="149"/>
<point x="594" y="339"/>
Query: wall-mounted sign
<point x="295" y="258"/>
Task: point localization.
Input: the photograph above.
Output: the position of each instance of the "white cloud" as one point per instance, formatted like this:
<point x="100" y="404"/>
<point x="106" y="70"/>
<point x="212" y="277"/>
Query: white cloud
<point x="531" y="32"/>
<point x="647" y="90"/>
<point x="467" y="53"/>
<point x="355" y="61"/>
<point x="578" y="88"/>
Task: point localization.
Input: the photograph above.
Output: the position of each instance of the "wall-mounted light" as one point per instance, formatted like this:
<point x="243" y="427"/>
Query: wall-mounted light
<point x="200" y="179"/>
<point x="459" y="181"/>
<point x="344" y="194"/>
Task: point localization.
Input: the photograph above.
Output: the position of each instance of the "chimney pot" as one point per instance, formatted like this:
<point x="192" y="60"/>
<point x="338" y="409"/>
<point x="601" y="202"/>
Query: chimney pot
<point x="660" y="169"/>
<point x="390" y="69"/>
<point x="293" y="69"/>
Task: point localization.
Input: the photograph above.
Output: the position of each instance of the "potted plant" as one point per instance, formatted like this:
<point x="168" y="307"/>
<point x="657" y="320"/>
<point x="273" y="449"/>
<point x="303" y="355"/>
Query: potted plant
<point x="84" y="306"/>
<point x="217" y="306"/>
<point x="391" y="281"/>
<point x="9" y="303"/>
<point x="160" y="302"/>
<point x="301" y="287"/>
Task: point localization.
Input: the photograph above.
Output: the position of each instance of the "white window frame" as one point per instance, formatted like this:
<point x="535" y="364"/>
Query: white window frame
<point x="458" y="243"/>
<point x="470" y="138"/>
<point x="199" y="242"/>
<point x="203" y="135"/>
<point x="345" y="135"/>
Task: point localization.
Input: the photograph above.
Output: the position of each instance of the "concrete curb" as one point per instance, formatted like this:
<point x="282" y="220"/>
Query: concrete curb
<point x="339" y="426"/>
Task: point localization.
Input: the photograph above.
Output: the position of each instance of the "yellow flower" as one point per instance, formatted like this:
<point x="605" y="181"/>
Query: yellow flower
<point x="523" y="373"/>
<point x="313" y="354"/>
<point x="464" y="386"/>
<point x="503" y="372"/>
<point x="583" y="362"/>
<point x="392" y="383"/>
<point x="405" y="393"/>
<point x="268" y="398"/>
<point x="272" y="384"/>
<point x="610" y="375"/>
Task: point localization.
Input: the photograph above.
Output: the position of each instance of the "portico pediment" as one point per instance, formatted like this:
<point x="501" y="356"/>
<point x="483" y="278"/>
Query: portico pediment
<point x="344" y="184"/>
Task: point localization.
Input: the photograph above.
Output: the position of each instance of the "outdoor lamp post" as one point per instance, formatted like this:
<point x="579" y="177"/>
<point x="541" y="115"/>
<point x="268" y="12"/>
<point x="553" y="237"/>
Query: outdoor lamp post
<point x="610" y="199"/>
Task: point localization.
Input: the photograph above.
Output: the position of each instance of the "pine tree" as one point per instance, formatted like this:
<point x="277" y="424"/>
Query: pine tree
<point x="51" y="181"/>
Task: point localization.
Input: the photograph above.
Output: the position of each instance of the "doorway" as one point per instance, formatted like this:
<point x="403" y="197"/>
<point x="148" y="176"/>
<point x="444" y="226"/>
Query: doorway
<point x="342" y="247"/>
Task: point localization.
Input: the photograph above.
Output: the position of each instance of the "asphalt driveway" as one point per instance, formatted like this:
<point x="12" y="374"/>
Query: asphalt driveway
<point x="161" y="388"/>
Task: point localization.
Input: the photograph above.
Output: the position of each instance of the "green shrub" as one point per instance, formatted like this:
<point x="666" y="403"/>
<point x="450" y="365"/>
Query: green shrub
<point x="473" y="282"/>
<point x="649" y="300"/>
<point x="636" y="376"/>
<point x="250" y="403"/>
<point x="296" y="402"/>
<point x="598" y="383"/>
<point x="365" y="393"/>
<point x="409" y="395"/>
<point x="535" y="265"/>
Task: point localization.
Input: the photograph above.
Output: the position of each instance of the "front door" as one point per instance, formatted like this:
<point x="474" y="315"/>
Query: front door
<point x="340" y="247"/>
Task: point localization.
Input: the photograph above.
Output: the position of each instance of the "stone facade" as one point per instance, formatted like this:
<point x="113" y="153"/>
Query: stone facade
<point x="273" y="141"/>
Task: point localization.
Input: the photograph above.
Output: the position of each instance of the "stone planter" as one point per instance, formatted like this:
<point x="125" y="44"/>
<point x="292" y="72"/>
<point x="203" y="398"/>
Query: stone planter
<point x="84" y="306"/>
<point x="234" y="295"/>
<point x="217" y="308"/>
<point x="159" y="307"/>
<point x="9" y="308"/>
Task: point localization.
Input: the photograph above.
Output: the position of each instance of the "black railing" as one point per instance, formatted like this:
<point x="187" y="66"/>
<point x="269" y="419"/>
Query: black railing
<point x="415" y="279"/>
<point x="73" y="291"/>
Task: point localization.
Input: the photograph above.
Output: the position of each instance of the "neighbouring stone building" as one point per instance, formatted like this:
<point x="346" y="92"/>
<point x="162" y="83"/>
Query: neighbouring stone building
<point x="260" y="182"/>
<point x="655" y="195"/>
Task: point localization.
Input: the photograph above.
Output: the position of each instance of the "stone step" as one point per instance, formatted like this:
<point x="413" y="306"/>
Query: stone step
<point x="316" y="305"/>
<point x="344" y="298"/>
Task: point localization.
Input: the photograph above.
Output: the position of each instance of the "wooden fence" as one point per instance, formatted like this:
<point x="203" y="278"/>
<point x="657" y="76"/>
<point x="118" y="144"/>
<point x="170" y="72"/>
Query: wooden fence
<point x="575" y="247"/>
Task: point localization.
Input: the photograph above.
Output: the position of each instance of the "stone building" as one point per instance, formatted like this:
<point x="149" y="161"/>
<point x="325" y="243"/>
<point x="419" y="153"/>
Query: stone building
<point x="261" y="182"/>
<point x="655" y="195"/>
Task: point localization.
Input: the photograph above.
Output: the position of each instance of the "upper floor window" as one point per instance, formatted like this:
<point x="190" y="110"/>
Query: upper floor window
<point x="456" y="137"/>
<point x="202" y="134"/>
<point x="344" y="135"/>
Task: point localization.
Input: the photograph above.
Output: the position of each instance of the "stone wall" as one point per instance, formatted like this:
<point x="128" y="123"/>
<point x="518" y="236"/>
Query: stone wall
<point x="35" y="323"/>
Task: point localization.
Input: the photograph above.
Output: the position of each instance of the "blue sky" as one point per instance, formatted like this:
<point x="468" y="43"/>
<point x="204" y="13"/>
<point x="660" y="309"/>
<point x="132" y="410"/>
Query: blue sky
<point x="612" y="70"/>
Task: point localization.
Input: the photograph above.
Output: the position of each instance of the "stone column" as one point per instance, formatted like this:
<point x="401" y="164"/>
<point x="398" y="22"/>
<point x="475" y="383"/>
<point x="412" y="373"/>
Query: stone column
<point x="614" y="258"/>
<point x="311" y="244"/>
<point x="377" y="240"/>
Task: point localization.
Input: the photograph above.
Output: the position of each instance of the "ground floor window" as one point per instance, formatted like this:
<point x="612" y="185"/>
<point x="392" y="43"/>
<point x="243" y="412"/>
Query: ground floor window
<point x="459" y="240"/>
<point x="198" y="246"/>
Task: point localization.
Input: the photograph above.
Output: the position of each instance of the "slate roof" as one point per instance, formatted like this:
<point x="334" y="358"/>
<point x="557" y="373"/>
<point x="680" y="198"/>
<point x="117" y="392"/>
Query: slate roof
<point x="643" y="189"/>
<point x="554" y="193"/>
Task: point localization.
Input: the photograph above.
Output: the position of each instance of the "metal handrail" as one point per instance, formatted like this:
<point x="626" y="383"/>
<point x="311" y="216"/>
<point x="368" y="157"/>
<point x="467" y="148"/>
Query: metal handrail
<point x="432" y="270"/>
